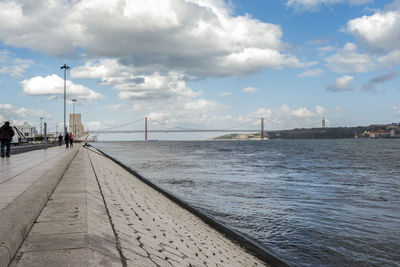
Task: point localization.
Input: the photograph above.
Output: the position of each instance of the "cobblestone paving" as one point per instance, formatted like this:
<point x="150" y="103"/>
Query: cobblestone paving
<point x="154" y="231"/>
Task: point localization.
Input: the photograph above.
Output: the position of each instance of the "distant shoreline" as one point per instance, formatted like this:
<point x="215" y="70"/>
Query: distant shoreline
<point x="382" y="131"/>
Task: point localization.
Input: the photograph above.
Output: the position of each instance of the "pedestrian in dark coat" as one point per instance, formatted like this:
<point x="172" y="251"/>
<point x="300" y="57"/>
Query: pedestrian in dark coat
<point x="60" y="140"/>
<point x="6" y="135"/>
<point x="66" y="139"/>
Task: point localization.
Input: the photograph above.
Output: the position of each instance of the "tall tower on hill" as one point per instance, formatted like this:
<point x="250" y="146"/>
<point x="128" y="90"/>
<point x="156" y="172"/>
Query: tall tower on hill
<point x="323" y="122"/>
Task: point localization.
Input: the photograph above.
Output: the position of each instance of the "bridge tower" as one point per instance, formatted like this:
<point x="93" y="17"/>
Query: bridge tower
<point x="145" y="128"/>
<point x="262" y="129"/>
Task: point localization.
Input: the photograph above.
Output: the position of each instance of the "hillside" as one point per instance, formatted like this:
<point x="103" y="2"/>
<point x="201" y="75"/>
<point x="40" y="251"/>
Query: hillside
<point x="371" y="131"/>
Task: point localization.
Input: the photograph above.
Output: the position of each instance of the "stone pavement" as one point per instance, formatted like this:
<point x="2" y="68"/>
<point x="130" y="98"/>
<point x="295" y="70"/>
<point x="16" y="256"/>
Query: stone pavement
<point x="26" y="182"/>
<point x="101" y="215"/>
<point x="73" y="229"/>
<point x="154" y="231"/>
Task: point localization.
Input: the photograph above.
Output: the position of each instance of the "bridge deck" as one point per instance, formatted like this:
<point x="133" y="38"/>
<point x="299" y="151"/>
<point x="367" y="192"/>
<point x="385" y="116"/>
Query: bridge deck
<point x="174" y="131"/>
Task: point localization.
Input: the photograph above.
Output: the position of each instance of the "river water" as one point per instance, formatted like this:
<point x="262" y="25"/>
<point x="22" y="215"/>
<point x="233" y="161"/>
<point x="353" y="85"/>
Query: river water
<point x="312" y="202"/>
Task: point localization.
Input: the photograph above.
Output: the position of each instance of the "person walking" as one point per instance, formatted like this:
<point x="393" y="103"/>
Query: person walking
<point x="6" y="135"/>
<point x="71" y="140"/>
<point x="66" y="138"/>
<point x="60" y="140"/>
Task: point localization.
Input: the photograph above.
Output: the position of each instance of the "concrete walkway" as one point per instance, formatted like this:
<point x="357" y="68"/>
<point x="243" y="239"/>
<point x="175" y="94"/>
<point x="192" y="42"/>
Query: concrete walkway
<point x="73" y="229"/>
<point x="101" y="215"/>
<point x="26" y="182"/>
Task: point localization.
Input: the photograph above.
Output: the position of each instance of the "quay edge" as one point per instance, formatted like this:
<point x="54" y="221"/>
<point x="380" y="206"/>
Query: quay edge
<point x="242" y="240"/>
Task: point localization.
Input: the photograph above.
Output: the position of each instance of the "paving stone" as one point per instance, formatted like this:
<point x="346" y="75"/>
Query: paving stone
<point x="31" y="178"/>
<point x="136" y="261"/>
<point x="81" y="257"/>
<point x="170" y="234"/>
<point x="73" y="228"/>
<point x="59" y="227"/>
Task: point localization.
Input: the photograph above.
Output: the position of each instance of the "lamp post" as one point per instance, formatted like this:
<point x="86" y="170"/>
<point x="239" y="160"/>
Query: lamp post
<point x="73" y="117"/>
<point x="65" y="68"/>
<point x="41" y="133"/>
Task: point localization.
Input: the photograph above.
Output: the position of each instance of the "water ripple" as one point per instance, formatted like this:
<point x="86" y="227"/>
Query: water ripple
<point x="312" y="202"/>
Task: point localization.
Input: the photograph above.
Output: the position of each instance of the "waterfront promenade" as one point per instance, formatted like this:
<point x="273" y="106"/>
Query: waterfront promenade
<point x="76" y="207"/>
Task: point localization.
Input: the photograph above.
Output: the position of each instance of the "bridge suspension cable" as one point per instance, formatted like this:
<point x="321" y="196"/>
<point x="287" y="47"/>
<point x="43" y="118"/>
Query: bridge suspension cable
<point x="177" y="129"/>
<point x="121" y="125"/>
<point x="185" y="128"/>
<point x="170" y="125"/>
<point x="239" y="125"/>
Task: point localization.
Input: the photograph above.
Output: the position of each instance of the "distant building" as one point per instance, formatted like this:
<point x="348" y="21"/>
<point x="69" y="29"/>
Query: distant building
<point x="323" y="122"/>
<point x="27" y="130"/>
<point x="382" y="134"/>
<point x="76" y="126"/>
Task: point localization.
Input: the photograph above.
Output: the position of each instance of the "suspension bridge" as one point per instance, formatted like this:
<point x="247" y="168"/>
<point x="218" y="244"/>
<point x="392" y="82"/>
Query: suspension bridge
<point x="173" y="129"/>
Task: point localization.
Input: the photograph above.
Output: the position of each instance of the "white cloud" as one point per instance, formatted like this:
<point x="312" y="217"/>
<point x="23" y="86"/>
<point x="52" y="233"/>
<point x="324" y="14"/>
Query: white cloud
<point x="10" y="111"/>
<point x="164" y="95"/>
<point x="115" y="107"/>
<point x="251" y="60"/>
<point x="325" y="49"/>
<point x="250" y="90"/>
<point x="185" y="118"/>
<point x="203" y="105"/>
<point x="97" y="125"/>
<point x="147" y="90"/>
<point x="344" y="83"/>
<point x="380" y="31"/>
<point x="397" y="110"/>
<point x="52" y="86"/>
<point x="225" y="93"/>
<point x="105" y="70"/>
<point x="302" y="113"/>
<point x="311" y="73"/>
<point x="380" y="34"/>
<point x="281" y="118"/>
<point x="286" y="117"/>
<point x="338" y="109"/>
<point x="314" y="5"/>
<point x="157" y="87"/>
<point x="263" y="113"/>
<point x="391" y="59"/>
<point x="13" y="66"/>
<point x="319" y="110"/>
<point x="350" y="60"/>
<point x="199" y="37"/>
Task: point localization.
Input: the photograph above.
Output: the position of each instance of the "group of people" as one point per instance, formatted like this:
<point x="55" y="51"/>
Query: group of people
<point x="68" y="138"/>
<point x="7" y="133"/>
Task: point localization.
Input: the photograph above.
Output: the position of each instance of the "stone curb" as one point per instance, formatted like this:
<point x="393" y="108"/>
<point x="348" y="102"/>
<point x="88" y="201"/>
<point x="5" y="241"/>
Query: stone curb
<point x="244" y="241"/>
<point x="17" y="219"/>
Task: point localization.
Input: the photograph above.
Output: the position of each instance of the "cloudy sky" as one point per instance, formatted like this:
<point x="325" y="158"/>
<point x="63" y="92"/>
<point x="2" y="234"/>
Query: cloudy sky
<point x="201" y="63"/>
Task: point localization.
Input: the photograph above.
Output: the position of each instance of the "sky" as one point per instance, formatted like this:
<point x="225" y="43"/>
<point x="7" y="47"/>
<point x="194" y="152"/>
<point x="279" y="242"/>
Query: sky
<point x="200" y="64"/>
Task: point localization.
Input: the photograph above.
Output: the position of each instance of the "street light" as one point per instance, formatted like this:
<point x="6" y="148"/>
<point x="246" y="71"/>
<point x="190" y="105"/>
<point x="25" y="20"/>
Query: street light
<point x="65" y="68"/>
<point x="41" y="133"/>
<point x="73" y="117"/>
